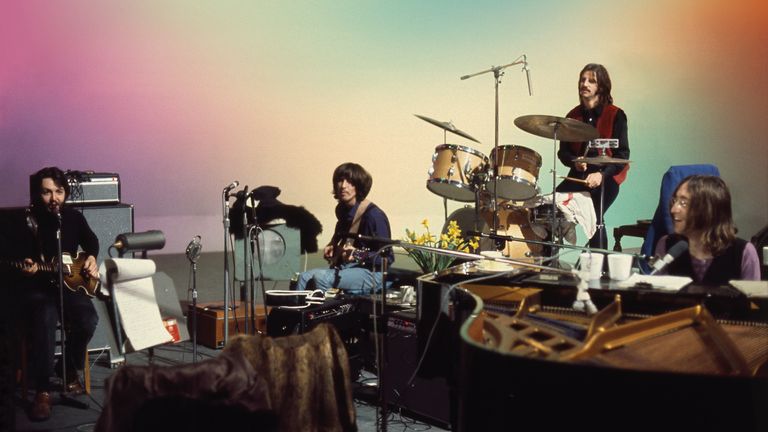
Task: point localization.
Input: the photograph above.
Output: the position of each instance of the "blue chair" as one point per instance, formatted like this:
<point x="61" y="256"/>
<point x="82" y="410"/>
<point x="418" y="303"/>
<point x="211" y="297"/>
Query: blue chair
<point x="661" y="224"/>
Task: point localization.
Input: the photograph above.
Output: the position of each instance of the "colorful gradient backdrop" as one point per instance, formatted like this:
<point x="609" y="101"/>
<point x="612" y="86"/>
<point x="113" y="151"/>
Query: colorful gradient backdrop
<point x="182" y="97"/>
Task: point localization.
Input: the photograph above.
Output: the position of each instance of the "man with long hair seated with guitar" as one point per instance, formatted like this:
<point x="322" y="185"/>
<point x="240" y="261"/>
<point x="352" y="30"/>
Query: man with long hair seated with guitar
<point x="38" y="288"/>
<point x="351" y="258"/>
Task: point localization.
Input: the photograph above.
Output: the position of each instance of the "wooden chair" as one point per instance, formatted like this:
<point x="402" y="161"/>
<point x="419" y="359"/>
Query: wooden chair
<point x="640" y="229"/>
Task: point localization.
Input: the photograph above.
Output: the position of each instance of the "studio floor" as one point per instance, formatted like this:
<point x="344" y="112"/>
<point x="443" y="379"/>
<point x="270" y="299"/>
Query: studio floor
<point x="72" y="419"/>
<point x="209" y="282"/>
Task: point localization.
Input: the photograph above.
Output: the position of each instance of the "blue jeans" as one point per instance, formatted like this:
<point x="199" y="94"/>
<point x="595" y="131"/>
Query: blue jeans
<point x="352" y="279"/>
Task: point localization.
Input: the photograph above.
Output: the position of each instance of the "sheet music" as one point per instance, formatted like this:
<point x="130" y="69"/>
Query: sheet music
<point x="664" y="283"/>
<point x="136" y="302"/>
<point x="751" y="288"/>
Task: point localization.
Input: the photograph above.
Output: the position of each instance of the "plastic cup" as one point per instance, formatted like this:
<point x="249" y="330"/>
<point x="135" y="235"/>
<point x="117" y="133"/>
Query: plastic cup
<point x="594" y="262"/>
<point x="619" y="266"/>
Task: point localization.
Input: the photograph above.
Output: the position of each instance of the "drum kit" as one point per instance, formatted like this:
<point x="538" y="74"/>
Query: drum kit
<point x="504" y="186"/>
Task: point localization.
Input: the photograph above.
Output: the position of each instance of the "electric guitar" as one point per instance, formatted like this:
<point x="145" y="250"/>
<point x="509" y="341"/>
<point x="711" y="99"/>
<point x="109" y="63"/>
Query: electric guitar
<point x="76" y="279"/>
<point x="341" y="256"/>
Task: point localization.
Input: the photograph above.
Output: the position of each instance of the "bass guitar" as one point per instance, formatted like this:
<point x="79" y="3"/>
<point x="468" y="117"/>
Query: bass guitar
<point x="76" y="279"/>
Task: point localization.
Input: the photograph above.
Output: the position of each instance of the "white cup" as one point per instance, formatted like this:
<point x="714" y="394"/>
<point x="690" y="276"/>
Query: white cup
<point x="619" y="266"/>
<point x="594" y="262"/>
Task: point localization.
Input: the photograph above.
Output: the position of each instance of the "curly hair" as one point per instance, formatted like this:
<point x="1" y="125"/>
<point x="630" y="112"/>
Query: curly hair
<point x="355" y="174"/>
<point x="709" y="211"/>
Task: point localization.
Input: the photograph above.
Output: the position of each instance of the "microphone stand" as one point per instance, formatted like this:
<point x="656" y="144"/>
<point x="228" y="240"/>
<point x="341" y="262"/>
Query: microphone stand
<point x="247" y="269"/>
<point x="65" y="398"/>
<point x="193" y="307"/>
<point x="497" y="74"/>
<point x="261" y="271"/>
<point x="225" y="209"/>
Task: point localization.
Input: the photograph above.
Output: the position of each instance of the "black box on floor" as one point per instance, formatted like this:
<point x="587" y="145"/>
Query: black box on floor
<point x="425" y="398"/>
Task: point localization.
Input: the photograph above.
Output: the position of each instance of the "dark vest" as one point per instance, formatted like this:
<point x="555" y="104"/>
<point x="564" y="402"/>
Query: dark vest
<point x="724" y="267"/>
<point x="605" y="128"/>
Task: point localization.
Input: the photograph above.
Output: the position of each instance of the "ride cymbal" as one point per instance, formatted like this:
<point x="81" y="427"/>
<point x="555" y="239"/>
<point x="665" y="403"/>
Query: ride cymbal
<point x="567" y="129"/>
<point x="448" y="126"/>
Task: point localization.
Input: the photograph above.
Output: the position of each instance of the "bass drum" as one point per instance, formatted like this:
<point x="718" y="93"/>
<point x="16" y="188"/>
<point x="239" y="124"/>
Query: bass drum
<point x="513" y="222"/>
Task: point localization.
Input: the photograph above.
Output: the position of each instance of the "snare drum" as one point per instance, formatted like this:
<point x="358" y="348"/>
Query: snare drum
<point x="453" y="171"/>
<point x="516" y="172"/>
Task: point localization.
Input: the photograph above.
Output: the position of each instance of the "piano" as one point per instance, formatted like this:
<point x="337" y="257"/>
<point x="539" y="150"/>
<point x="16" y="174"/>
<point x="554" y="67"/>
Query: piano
<point x="517" y="355"/>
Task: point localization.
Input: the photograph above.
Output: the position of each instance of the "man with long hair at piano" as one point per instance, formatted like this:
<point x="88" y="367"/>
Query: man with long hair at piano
<point x="37" y="285"/>
<point x="351" y="258"/>
<point x="702" y="216"/>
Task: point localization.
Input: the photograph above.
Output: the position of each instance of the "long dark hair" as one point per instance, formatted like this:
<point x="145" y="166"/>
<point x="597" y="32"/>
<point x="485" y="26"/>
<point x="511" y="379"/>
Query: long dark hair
<point x="36" y="181"/>
<point x="603" y="82"/>
<point x="355" y="174"/>
<point x="709" y="211"/>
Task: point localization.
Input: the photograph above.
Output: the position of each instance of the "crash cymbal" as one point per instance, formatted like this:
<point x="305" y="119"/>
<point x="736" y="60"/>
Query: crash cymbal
<point x="602" y="160"/>
<point x="447" y="126"/>
<point x="567" y="129"/>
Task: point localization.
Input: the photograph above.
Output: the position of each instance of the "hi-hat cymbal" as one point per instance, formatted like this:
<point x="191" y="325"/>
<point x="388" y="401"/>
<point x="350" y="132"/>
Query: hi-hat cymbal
<point x="567" y="129"/>
<point x="602" y="160"/>
<point x="447" y="126"/>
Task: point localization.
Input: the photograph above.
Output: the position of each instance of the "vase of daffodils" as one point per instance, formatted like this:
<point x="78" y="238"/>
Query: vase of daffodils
<point x="451" y="239"/>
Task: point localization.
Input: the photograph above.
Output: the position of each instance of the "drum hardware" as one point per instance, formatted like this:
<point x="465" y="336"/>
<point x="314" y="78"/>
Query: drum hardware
<point x="601" y="159"/>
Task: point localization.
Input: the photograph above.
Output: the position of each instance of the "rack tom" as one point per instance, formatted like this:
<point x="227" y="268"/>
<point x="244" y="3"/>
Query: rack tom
<point x="454" y="172"/>
<point x="516" y="171"/>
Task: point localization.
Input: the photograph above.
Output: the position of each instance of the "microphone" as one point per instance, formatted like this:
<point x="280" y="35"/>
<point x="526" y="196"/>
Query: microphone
<point x="231" y="186"/>
<point x="527" y="75"/>
<point x="672" y="254"/>
<point x="243" y="193"/>
<point x="194" y="248"/>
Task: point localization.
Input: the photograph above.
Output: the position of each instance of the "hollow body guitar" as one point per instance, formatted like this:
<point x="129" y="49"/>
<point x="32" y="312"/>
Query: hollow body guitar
<point x="76" y="279"/>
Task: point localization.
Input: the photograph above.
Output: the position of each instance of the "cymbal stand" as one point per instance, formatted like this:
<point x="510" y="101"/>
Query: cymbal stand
<point x="247" y="268"/>
<point x="445" y="199"/>
<point x="497" y="74"/>
<point x="557" y="239"/>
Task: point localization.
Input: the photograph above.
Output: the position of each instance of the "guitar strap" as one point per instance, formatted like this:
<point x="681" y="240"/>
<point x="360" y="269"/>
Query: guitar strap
<point x="32" y="225"/>
<point x="352" y="230"/>
<point x="359" y="216"/>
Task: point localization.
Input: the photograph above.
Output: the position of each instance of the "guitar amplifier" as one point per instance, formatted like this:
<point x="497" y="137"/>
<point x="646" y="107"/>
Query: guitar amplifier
<point x="87" y="187"/>
<point x="210" y="322"/>
<point x="283" y="321"/>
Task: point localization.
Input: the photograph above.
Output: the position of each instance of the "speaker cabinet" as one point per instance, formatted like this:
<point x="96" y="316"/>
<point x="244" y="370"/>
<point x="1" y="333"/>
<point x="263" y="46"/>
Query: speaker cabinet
<point x="428" y="399"/>
<point x="106" y="221"/>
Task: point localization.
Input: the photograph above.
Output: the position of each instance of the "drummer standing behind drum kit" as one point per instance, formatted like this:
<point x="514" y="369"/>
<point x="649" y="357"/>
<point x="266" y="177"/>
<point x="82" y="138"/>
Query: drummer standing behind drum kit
<point x="597" y="109"/>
